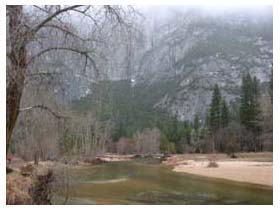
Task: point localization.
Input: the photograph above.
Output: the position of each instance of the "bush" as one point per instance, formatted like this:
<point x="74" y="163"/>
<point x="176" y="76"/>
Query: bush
<point x="232" y="145"/>
<point x="40" y="190"/>
<point x="147" y="141"/>
<point x="212" y="164"/>
<point x="166" y="146"/>
<point x="171" y="148"/>
<point x="17" y="189"/>
<point x="231" y="148"/>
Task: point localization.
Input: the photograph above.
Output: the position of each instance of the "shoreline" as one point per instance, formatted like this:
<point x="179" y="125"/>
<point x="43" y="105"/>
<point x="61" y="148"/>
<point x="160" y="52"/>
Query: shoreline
<point x="252" y="168"/>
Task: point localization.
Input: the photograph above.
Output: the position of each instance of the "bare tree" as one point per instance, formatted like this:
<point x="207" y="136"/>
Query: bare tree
<point x="147" y="141"/>
<point x="23" y="30"/>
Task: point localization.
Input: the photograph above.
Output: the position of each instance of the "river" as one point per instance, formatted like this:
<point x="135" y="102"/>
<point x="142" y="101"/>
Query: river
<point x="140" y="182"/>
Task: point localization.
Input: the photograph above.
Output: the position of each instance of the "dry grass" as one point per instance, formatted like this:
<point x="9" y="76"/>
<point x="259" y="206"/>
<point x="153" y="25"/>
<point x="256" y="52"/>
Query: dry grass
<point x="19" y="182"/>
<point x="17" y="187"/>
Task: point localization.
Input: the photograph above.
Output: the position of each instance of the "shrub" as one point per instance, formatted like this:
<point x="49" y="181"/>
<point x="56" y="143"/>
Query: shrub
<point x="166" y="146"/>
<point x="212" y="164"/>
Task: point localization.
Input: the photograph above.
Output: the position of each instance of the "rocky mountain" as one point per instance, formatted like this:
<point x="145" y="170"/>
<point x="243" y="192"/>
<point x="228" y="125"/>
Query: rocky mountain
<point x="198" y="49"/>
<point x="181" y="53"/>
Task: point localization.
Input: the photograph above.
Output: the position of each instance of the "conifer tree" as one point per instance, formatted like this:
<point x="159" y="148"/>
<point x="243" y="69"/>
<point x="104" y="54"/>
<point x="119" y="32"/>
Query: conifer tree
<point x="245" y="99"/>
<point x="250" y="110"/>
<point x="256" y="120"/>
<point x="196" y="126"/>
<point x="224" y="114"/>
<point x="250" y="106"/>
<point x="271" y="85"/>
<point x="196" y="123"/>
<point x="188" y="132"/>
<point x="215" y="109"/>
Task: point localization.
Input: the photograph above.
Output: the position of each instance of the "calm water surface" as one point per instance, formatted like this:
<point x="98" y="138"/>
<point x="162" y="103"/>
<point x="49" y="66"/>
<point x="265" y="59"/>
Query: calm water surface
<point x="138" y="182"/>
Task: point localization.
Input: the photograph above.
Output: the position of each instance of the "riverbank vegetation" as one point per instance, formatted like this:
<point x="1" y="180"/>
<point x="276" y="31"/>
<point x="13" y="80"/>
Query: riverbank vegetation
<point x="241" y="126"/>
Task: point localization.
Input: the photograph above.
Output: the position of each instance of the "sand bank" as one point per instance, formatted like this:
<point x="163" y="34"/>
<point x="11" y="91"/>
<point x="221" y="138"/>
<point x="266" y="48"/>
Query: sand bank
<point x="241" y="170"/>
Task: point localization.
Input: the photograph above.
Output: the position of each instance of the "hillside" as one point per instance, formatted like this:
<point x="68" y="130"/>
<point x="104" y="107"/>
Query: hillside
<point x="185" y="56"/>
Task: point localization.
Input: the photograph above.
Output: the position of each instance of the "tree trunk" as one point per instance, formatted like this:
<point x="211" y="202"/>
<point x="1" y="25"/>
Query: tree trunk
<point x="16" y="70"/>
<point x="36" y="158"/>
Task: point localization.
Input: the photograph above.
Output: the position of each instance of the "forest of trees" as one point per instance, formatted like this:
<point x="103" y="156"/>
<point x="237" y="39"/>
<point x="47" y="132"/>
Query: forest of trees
<point x="244" y="125"/>
<point x="242" y="132"/>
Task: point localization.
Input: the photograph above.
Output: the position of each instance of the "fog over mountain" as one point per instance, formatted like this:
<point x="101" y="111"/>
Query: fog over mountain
<point x="182" y="51"/>
<point x="191" y="48"/>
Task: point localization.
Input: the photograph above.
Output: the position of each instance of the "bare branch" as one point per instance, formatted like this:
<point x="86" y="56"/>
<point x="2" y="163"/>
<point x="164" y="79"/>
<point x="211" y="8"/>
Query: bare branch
<point x="40" y="8"/>
<point x="51" y="74"/>
<point x="85" y="66"/>
<point x="83" y="12"/>
<point x="65" y="30"/>
<point x="43" y="107"/>
<point x="48" y="19"/>
<point x="68" y="31"/>
<point x="115" y="12"/>
<point x="82" y="52"/>
<point x="48" y="12"/>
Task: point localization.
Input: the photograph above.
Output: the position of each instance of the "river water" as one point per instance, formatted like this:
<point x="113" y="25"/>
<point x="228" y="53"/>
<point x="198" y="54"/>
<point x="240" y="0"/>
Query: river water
<point x="140" y="182"/>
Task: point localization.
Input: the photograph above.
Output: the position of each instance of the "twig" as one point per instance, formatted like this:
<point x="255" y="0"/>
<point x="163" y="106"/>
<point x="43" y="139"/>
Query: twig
<point x="85" y="53"/>
<point x="40" y="25"/>
<point x="41" y="106"/>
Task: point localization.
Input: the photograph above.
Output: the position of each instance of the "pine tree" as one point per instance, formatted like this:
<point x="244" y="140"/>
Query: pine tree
<point x="207" y="119"/>
<point x="245" y="99"/>
<point x="255" y="107"/>
<point x="250" y="106"/>
<point x="195" y="133"/>
<point x="215" y="109"/>
<point x="250" y="110"/>
<point x="271" y="85"/>
<point x="188" y="132"/>
<point x="224" y="114"/>
<point x="196" y="123"/>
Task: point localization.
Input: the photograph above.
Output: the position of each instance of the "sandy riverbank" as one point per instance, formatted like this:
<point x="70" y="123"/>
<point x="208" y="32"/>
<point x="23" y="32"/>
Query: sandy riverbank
<point x="243" y="169"/>
<point x="115" y="157"/>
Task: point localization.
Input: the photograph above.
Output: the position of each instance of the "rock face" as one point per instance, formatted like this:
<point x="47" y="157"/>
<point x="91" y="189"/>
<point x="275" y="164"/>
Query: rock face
<point x="200" y="52"/>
